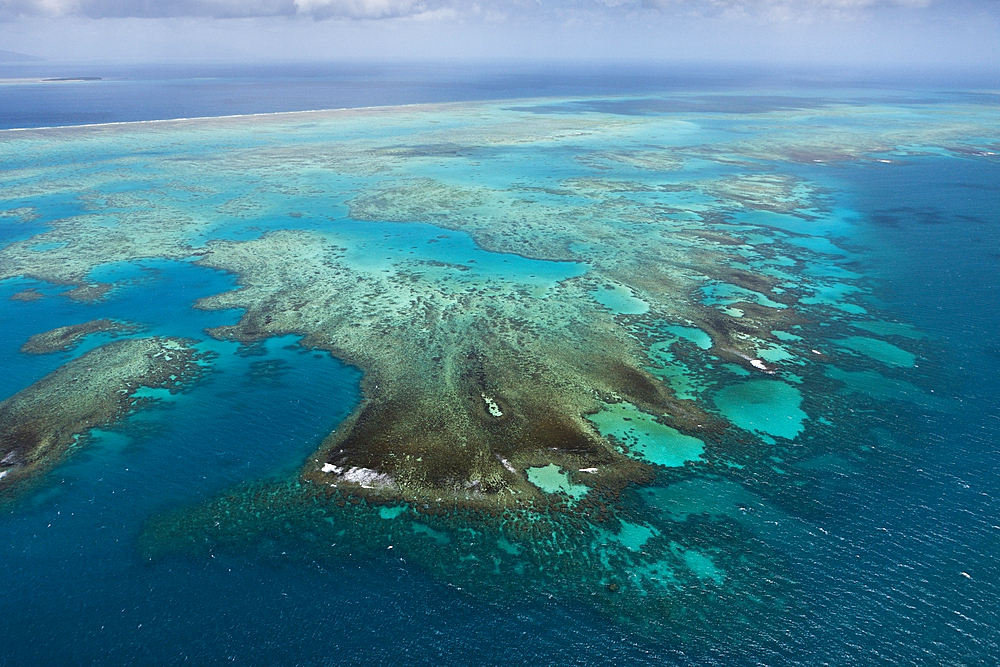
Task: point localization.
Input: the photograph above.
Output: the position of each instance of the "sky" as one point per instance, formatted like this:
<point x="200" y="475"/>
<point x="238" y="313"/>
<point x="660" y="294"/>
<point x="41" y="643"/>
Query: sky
<point x="849" y="32"/>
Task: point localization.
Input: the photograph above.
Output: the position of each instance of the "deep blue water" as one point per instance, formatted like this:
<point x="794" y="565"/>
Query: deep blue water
<point x="148" y="92"/>
<point x="912" y="575"/>
<point x="904" y="571"/>
<point x="130" y="93"/>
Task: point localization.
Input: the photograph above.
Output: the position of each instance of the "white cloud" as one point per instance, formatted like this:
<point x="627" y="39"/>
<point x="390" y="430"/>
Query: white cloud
<point x="559" y="10"/>
<point x="781" y="10"/>
<point x="882" y="35"/>
<point x="145" y="8"/>
<point x="319" y="9"/>
<point x="360" y="9"/>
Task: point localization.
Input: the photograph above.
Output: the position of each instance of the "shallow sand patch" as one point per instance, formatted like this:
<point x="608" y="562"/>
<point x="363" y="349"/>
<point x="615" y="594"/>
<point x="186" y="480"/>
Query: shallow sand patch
<point x="765" y="406"/>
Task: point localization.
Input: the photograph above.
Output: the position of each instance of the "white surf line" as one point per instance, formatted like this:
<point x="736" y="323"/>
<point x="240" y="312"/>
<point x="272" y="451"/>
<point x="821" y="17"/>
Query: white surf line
<point x="195" y="118"/>
<point x="380" y="107"/>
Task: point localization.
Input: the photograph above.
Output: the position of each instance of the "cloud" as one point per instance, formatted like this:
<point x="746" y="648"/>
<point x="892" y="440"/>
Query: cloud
<point x="962" y="33"/>
<point x="318" y="9"/>
<point x="360" y="9"/>
<point x="767" y="10"/>
<point x="781" y="10"/>
<point x="146" y="8"/>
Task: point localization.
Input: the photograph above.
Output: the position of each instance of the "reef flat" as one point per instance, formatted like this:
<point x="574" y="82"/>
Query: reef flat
<point x="41" y="423"/>
<point x="467" y="386"/>
<point x="602" y="351"/>
<point x="66" y="338"/>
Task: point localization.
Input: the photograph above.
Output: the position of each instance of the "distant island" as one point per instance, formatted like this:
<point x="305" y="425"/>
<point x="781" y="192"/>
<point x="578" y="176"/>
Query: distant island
<point x="71" y="78"/>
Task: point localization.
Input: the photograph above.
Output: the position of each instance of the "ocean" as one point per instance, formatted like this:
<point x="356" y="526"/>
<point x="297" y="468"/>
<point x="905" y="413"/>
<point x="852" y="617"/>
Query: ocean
<point x="802" y="263"/>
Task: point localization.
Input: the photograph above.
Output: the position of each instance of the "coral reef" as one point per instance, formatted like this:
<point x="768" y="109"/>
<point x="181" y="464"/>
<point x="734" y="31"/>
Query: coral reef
<point x="66" y="338"/>
<point x="41" y="423"/>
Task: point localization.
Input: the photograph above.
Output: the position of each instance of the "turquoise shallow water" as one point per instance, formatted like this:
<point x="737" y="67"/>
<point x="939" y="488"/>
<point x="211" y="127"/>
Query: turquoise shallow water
<point x="647" y="439"/>
<point x="766" y="406"/>
<point x="871" y="481"/>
